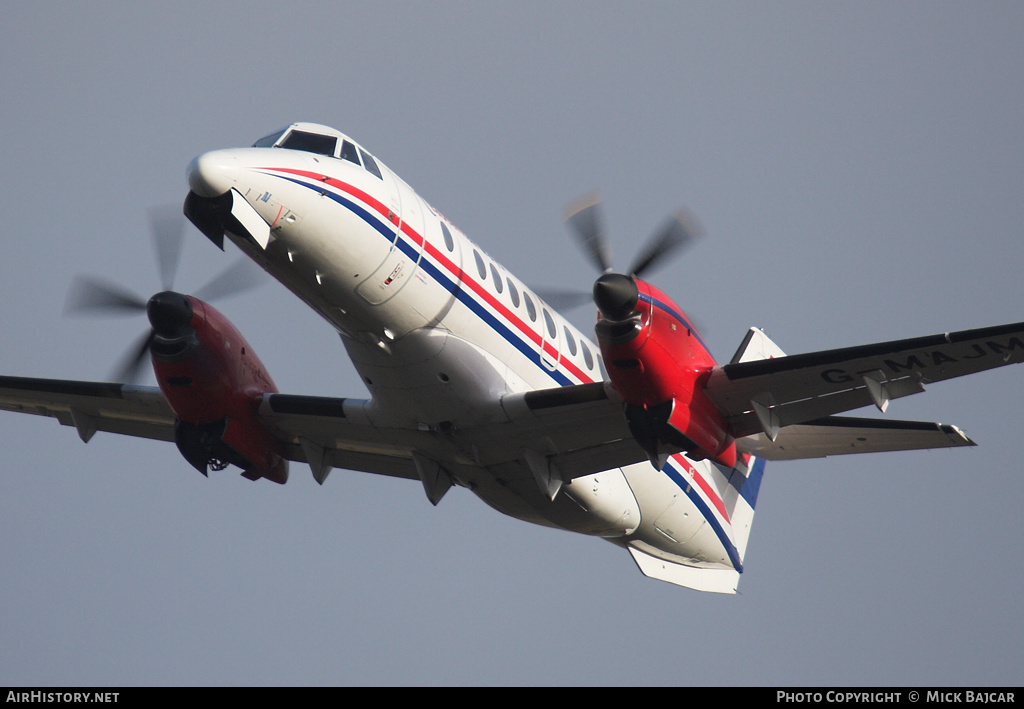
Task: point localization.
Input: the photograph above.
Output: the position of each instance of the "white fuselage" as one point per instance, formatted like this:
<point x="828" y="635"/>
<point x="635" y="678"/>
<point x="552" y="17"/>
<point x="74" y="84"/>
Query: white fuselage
<point x="439" y="332"/>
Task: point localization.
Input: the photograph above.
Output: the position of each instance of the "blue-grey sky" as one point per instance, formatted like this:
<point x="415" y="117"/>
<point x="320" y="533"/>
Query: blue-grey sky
<point x="858" y="170"/>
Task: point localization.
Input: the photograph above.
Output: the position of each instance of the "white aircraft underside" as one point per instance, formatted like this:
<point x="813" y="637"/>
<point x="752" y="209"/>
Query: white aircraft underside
<point x="475" y="381"/>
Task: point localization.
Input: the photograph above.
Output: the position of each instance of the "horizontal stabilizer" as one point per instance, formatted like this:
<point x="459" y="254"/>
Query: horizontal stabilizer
<point x="841" y="435"/>
<point x="710" y="580"/>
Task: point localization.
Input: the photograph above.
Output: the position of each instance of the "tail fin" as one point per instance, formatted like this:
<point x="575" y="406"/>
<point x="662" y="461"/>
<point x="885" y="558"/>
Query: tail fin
<point x="744" y="482"/>
<point x="756" y="345"/>
<point x="745" y="478"/>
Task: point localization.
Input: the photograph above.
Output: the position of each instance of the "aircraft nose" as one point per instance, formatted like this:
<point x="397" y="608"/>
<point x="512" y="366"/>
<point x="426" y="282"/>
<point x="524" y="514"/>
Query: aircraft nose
<point x="212" y="174"/>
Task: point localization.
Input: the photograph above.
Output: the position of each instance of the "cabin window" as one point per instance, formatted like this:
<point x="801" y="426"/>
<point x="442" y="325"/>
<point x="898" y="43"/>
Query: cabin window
<point x="570" y="340"/>
<point x="552" y="331"/>
<point x="513" y="293"/>
<point x="480" y="267"/>
<point x="531" y="309"/>
<point x="310" y="142"/>
<point x="587" y="357"/>
<point x="449" y="242"/>
<point x="348" y="152"/>
<point x="496" y="277"/>
<point x="371" y="165"/>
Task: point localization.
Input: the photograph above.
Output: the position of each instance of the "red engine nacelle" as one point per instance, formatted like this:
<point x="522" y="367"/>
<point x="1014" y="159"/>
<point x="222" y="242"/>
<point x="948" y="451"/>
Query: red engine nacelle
<point x="214" y="383"/>
<point x="658" y="364"/>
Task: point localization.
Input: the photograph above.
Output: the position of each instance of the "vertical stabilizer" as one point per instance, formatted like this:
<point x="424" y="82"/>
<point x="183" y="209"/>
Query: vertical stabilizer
<point x="756" y="345"/>
<point x="741" y="497"/>
<point x="745" y="477"/>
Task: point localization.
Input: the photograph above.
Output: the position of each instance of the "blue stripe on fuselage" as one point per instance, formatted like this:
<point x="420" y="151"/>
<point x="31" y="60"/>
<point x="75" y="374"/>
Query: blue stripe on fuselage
<point x="691" y="492"/>
<point x="451" y="285"/>
<point x="662" y="305"/>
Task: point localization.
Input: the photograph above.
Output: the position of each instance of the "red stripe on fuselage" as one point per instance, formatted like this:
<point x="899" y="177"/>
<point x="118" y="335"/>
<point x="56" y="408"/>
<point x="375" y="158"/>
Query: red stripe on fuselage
<point x="704" y="485"/>
<point x="464" y="278"/>
<point x="460" y="275"/>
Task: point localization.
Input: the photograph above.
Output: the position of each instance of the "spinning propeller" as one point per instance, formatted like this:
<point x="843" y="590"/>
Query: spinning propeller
<point x="169" y="312"/>
<point x="615" y="294"/>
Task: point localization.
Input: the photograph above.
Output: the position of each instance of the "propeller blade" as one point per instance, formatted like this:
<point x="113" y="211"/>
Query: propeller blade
<point x="241" y="276"/>
<point x="585" y="220"/>
<point x="129" y="369"/>
<point x="88" y="295"/>
<point x="167" y="227"/>
<point x="680" y="230"/>
<point x="167" y="224"/>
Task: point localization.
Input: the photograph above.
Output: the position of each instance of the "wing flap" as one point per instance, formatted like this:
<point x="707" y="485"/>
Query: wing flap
<point x="343" y="431"/>
<point x="840" y="435"/>
<point x="580" y="428"/>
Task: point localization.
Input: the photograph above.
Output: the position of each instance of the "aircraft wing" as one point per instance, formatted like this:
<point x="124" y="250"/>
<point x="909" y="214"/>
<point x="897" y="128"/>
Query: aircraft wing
<point x="577" y="429"/>
<point x="580" y="428"/>
<point x="765" y="396"/>
<point x="329" y="432"/>
<point x="550" y="435"/>
<point x="305" y="425"/>
<point x="92" y="406"/>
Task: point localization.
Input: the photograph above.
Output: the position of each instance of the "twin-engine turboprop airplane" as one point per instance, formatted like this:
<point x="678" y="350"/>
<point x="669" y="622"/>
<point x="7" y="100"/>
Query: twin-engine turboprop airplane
<point x="476" y="381"/>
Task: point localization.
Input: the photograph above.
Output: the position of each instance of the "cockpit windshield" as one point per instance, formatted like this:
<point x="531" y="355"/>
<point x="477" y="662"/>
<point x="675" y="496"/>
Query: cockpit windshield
<point x="299" y="140"/>
<point x="322" y="140"/>
<point x="310" y="142"/>
<point x="268" y="141"/>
